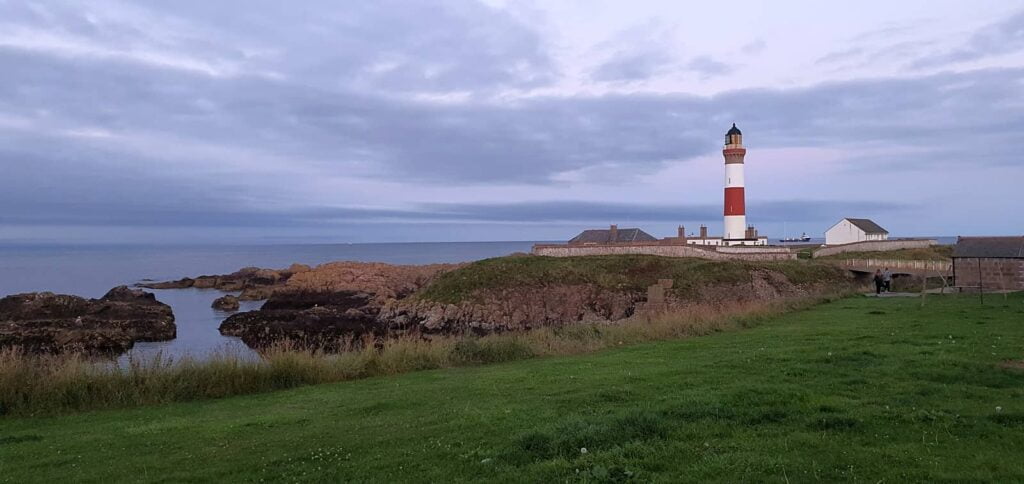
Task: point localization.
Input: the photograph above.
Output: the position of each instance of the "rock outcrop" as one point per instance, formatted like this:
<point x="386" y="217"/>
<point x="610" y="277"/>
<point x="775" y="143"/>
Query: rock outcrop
<point x="351" y="301"/>
<point x="324" y="306"/>
<point x="246" y="278"/>
<point x="226" y="303"/>
<point x="54" y="323"/>
<point x="527" y="307"/>
<point x="512" y="309"/>
<point x="383" y="281"/>
<point x="321" y="319"/>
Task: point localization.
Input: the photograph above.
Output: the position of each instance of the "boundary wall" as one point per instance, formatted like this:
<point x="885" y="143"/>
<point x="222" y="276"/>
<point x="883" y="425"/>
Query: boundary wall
<point x="718" y="253"/>
<point x="875" y="246"/>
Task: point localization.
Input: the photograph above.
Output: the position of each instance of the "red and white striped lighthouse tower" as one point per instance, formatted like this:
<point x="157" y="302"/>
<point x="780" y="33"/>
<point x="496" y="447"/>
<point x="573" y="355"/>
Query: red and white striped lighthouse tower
<point x="735" y="211"/>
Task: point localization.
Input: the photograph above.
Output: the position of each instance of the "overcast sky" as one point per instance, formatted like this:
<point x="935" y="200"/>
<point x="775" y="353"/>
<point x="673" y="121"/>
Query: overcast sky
<point x="405" y="120"/>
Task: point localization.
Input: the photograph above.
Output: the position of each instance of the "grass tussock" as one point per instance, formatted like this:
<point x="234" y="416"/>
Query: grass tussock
<point x="32" y="384"/>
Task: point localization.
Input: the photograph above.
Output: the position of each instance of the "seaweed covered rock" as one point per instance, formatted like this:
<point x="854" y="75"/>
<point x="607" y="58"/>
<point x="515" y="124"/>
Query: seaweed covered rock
<point x="322" y="319"/>
<point x="53" y="323"/>
<point x="226" y="303"/>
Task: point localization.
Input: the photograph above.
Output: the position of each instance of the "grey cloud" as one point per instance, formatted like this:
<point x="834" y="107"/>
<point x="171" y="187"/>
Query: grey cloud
<point x="1003" y="37"/>
<point x="528" y="141"/>
<point x="840" y="55"/>
<point x="631" y="67"/>
<point x="612" y="212"/>
<point x="392" y="44"/>
<point x="706" y="67"/>
<point x="755" y="47"/>
<point x="315" y="120"/>
<point x="636" y="66"/>
<point x="429" y="46"/>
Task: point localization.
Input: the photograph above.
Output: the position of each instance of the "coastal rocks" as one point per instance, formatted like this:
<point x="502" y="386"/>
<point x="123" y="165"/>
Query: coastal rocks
<point x="350" y="301"/>
<point x="246" y="278"/>
<point x="226" y="303"/>
<point x="315" y="319"/>
<point x="513" y="309"/>
<point x="54" y="323"/>
<point x="529" y="307"/>
<point x="384" y="281"/>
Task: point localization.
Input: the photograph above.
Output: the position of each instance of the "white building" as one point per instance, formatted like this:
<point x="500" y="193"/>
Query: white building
<point x="850" y="230"/>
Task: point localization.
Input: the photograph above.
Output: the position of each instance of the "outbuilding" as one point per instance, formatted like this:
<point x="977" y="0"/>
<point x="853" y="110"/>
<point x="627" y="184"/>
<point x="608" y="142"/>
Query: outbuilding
<point x="989" y="263"/>
<point x="613" y="235"/>
<point x="850" y="230"/>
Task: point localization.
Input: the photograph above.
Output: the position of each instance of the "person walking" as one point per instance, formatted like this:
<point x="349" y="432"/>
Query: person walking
<point x="887" y="280"/>
<point x="878" y="282"/>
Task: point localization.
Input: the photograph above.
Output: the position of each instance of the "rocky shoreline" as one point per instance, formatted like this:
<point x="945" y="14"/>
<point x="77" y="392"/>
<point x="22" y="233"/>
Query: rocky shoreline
<point x="343" y="304"/>
<point x="44" y="322"/>
<point x="254" y="283"/>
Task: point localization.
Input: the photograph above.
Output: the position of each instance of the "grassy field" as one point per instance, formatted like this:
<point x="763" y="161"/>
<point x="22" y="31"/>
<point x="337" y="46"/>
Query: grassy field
<point x="619" y="272"/>
<point x="858" y="389"/>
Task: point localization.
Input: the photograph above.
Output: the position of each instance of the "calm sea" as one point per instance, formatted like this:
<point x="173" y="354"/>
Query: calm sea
<point x="91" y="271"/>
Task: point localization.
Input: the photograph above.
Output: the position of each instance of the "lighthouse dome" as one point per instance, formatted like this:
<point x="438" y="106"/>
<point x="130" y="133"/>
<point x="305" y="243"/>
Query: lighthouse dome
<point x="733" y="130"/>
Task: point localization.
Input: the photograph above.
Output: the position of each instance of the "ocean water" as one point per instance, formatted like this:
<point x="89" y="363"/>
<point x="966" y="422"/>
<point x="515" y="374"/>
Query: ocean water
<point x="91" y="271"/>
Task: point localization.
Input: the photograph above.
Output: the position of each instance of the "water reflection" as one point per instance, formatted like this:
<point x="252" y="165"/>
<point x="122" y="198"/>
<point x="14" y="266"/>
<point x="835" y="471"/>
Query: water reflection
<point x="197" y="323"/>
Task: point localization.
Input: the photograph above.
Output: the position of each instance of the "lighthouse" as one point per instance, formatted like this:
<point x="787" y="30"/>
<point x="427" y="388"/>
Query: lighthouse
<point x="735" y="211"/>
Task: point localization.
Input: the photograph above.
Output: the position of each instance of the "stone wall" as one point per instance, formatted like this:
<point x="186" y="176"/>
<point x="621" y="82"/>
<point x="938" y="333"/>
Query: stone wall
<point x="996" y="274"/>
<point x="922" y="266"/>
<point x="875" y="246"/>
<point x="722" y="253"/>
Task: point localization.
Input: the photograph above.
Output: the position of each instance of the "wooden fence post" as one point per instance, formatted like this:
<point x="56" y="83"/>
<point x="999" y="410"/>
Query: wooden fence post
<point x="981" y="285"/>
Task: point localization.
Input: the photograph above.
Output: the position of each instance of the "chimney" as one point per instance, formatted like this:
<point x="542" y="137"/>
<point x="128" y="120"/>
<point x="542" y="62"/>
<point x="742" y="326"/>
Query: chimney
<point x="613" y="233"/>
<point x="750" y="232"/>
<point x="703" y="231"/>
<point x="681" y="234"/>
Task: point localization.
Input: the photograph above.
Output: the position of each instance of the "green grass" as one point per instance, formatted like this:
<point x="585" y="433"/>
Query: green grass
<point x="858" y="389"/>
<point x="615" y="272"/>
<point x="935" y="252"/>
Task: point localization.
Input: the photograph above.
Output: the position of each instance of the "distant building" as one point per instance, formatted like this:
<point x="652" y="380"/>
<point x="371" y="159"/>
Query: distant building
<point x="750" y="237"/>
<point x="989" y="263"/>
<point x="850" y="230"/>
<point x="613" y="235"/>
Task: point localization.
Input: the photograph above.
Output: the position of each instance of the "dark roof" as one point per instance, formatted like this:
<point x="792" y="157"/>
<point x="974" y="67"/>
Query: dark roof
<point x="604" y="236"/>
<point x="867" y="225"/>
<point x="733" y="130"/>
<point x="997" y="247"/>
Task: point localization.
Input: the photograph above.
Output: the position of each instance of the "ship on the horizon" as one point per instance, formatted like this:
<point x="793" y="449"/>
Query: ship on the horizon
<point x="802" y="238"/>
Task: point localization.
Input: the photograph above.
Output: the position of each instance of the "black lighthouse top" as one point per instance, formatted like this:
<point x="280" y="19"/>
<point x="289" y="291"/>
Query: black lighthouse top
<point x="733" y="130"/>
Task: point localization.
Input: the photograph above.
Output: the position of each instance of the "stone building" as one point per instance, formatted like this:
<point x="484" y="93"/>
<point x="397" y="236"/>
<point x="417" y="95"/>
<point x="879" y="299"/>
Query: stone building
<point x="989" y="263"/>
<point x="614" y="235"/>
<point x="850" y="230"/>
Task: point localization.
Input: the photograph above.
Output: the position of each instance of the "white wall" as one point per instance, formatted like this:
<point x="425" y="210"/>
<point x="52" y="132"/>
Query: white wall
<point x="845" y="232"/>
